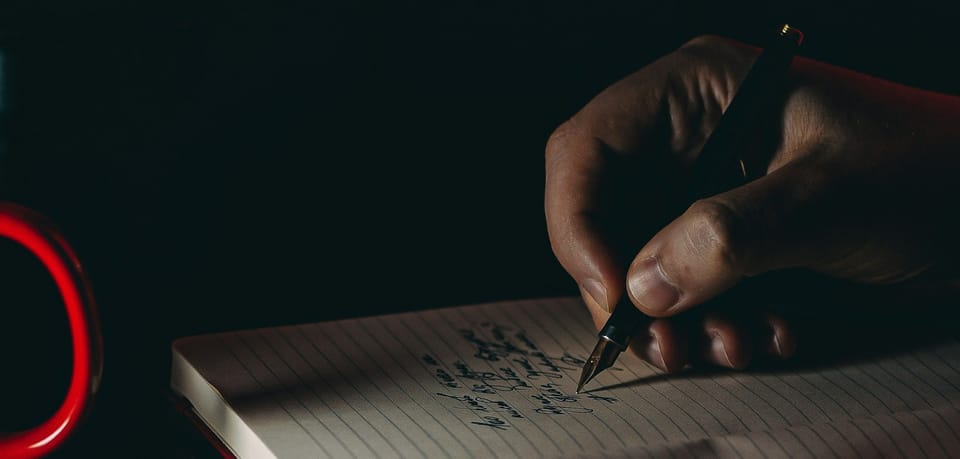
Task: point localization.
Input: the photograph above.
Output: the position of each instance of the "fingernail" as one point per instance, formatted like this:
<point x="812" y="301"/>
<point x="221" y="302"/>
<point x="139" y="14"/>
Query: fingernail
<point x="596" y="291"/>
<point x="718" y="352"/>
<point x="654" y="355"/>
<point x="776" y="343"/>
<point x="650" y="287"/>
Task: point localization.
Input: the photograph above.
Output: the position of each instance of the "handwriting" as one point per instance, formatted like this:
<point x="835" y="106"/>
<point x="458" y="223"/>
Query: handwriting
<point x="493" y="422"/>
<point x="526" y="341"/>
<point x="488" y="350"/>
<point x="484" y="404"/>
<point x="533" y="372"/>
<point x="483" y="389"/>
<point x="504" y="407"/>
<point x="601" y="398"/>
<point x="506" y="380"/>
<point x="551" y="392"/>
<point x="548" y="407"/>
<point x="542" y="359"/>
<point x="446" y="379"/>
<point x="467" y="400"/>
<point x="571" y="360"/>
<point x="505" y="359"/>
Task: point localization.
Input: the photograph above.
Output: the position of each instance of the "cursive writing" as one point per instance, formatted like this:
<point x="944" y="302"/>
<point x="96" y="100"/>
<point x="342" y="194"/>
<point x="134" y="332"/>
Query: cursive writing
<point x="484" y="404"/>
<point x="549" y="407"/>
<point x="493" y="422"/>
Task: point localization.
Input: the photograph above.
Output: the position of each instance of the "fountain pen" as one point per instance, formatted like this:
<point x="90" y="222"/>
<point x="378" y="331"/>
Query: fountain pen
<point x="724" y="163"/>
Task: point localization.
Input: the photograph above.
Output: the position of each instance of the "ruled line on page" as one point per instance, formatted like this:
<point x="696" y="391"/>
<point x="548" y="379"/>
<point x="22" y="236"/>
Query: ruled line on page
<point x="641" y="403"/>
<point x="342" y="418"/>
<point x="636" y="413"/>
<point x="402" y="418"/>
<point x="499" y="379"/>
<point x="871" y="371"/>
<point x="280" y="398"/>
<point x="323" y="387"/>
<point x="619" y="425"/>
<point x="693" y="409"/>
<point x="307" y="394"/>
<point x="448" y="343"/>
<point x="592" y="426"/>
<point x="408" y="343"/>
<point x="371" y="336"/>
<point x="882" y="435"/>
<point x="586" y="336"/>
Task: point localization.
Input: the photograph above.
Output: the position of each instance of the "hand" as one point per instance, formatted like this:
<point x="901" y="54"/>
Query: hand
<point x="859" y="185"/>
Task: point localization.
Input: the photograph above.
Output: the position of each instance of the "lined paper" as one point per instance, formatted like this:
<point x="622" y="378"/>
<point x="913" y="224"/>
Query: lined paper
<point x="920" y="433"/>
<point x="499" y="380"/>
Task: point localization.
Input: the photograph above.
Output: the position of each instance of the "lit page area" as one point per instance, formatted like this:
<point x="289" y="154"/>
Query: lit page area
<point x="499" y="380"/>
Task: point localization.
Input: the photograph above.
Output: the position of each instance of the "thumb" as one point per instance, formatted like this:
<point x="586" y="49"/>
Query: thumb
<point x="774" y="222"/>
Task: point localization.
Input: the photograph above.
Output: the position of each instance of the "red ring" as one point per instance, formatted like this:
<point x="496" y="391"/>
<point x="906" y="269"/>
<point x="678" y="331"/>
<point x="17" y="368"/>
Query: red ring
<point x="34" y="232"/>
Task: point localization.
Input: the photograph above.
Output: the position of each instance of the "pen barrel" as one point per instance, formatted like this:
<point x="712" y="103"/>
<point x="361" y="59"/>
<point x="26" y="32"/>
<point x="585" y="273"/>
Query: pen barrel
<point x="728" y="158"/>
<point x="624" y="321"/>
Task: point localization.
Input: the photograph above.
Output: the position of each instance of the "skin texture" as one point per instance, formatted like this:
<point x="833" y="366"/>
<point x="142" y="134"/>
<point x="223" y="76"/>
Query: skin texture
<point x="857" y="192"/>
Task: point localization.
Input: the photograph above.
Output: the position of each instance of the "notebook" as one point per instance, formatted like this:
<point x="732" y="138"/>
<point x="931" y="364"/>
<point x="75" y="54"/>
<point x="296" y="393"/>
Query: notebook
<point x="498" y="380"/>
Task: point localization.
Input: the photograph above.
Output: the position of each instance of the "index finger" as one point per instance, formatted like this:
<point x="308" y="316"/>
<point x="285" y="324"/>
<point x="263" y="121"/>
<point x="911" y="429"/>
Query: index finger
<point x="576" y="163"/>
<point x="622" y="121"/>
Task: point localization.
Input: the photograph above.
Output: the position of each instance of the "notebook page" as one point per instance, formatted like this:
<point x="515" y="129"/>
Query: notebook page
<point x="921" y="433"/>
<point x="499" y="379"/>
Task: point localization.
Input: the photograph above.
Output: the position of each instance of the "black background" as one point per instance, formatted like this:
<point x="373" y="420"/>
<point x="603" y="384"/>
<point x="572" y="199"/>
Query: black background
<point x="229" y="164"/>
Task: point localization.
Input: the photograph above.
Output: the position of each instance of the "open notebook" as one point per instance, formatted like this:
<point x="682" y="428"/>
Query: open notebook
<point x="499" y="379"/>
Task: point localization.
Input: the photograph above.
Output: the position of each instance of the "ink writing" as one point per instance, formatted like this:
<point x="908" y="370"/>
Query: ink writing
<point x="504" y="361"/>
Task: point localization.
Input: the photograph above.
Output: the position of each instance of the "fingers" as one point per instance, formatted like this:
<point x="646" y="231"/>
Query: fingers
<point x="576" y="164"/>
<point x="780" y="340"/>
<point x="625" y="120"/>
<point x="771" y="223"/>
<point x="671" y="344"/>
<point x="664" y="344"/>
<point x="597" y="312"/>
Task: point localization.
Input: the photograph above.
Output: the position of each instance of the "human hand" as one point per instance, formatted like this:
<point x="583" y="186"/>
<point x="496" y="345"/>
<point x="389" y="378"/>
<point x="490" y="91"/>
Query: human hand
<point x="860" y="176"/>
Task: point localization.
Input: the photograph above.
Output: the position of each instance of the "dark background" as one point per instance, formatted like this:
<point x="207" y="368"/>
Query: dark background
<point x="229" y="164"/>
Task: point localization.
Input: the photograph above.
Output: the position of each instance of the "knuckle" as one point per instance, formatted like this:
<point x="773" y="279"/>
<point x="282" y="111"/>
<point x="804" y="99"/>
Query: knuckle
<point x="703" y="41"/>
<point x="565" y="254"/>
<point x="713" y="50"/>
<point x="558" y="139"/>
<point x="717" y="233"/>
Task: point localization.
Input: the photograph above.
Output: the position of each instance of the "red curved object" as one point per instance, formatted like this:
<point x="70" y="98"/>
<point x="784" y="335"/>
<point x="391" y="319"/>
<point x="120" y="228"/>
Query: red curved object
<point x="38" y="235"/>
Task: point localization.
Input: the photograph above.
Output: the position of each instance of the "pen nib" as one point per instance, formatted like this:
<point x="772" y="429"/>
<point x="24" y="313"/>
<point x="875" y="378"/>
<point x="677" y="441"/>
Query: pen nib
<point x="603" y="355"/>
